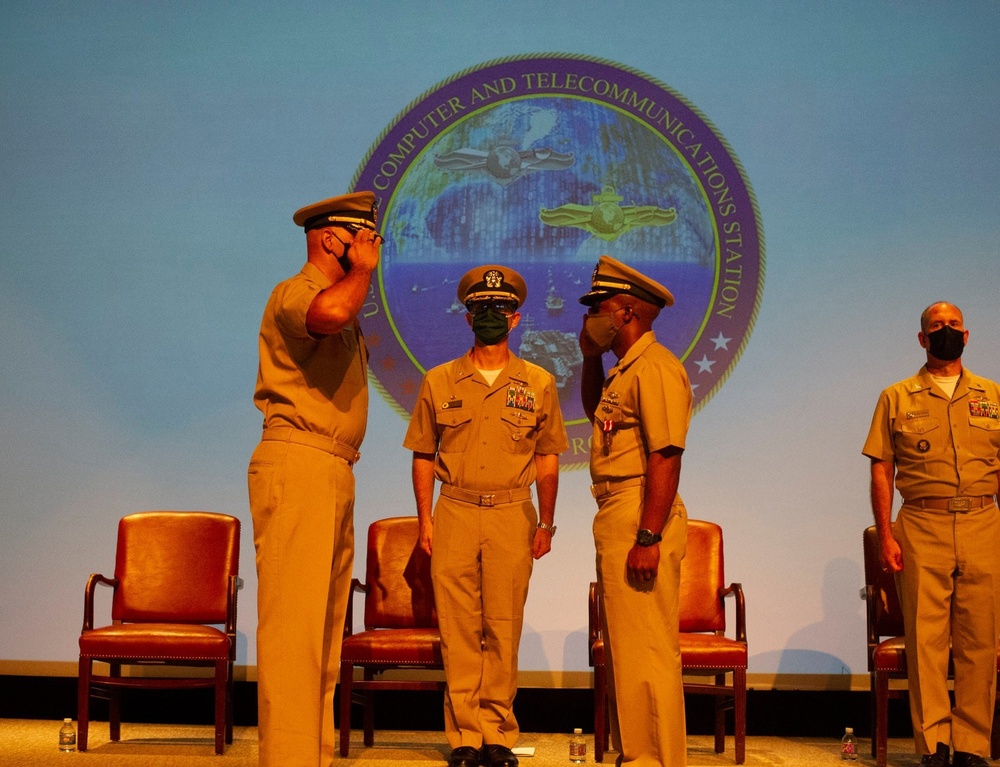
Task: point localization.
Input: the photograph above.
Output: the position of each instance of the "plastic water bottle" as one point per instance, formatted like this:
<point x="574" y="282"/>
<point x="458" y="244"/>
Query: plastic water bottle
<point x="577" y="747"/>
<point x="849" y="746"/>
<point x="67" y="736"/>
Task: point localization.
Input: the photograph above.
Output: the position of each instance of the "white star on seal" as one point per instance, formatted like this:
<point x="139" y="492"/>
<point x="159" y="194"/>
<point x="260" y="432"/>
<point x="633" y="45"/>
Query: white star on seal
<point x="704" y="364"/>
<point x="721" y="342"/>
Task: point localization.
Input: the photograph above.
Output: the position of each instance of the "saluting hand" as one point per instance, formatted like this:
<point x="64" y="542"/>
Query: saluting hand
<point x="366" y="247"/>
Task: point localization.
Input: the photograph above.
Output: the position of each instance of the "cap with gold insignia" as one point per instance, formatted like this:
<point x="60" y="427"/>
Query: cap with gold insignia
<point x="612" y="277"/>
<point x="355" y="209"/>
<point x="492" y="281"/>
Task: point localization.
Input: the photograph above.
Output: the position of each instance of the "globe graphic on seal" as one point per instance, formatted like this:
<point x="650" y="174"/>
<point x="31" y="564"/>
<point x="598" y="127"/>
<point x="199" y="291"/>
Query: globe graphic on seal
<point x="543" y="185"/>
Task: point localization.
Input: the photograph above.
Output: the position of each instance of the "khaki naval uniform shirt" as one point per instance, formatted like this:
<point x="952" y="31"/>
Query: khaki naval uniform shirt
<point x="485" y="438"/>
<point x="645" y="406"/>
<point x="945" y="448"/>
<point x="313" y="393"/>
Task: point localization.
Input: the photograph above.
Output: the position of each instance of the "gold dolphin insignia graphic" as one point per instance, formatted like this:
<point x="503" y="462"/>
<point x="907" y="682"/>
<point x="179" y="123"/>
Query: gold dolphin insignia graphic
<point x="607" y="219"/>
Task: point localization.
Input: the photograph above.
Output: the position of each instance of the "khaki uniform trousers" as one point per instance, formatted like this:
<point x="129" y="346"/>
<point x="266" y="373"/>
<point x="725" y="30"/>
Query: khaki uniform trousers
<point x="302" y="502"/>
<point x="481" y="563"/>
<point x="949" y="589"/>
<point x="642" y="635"/>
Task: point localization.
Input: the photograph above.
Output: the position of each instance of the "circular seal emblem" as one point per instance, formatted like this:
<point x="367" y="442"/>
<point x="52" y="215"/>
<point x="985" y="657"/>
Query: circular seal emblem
<point x="543" y="163"/>
<point x="923" y="446"/>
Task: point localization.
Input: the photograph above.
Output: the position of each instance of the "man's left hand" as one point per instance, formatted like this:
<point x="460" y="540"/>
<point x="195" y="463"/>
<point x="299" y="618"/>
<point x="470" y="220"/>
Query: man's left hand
<point x="642" y="564"/>
<point x="542" y="544"/>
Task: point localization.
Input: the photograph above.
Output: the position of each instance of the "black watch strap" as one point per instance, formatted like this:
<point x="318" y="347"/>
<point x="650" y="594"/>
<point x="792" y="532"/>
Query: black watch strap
<point x="647" y="538"/>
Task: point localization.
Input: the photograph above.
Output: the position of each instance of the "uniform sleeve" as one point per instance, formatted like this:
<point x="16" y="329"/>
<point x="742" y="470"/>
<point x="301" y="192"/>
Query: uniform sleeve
<point x="879" y="444"/>
<point x="552" y="437"/>
<point x="421" y="435"/>
<point x="664" y="404"/>
<point x="291" y="302"/>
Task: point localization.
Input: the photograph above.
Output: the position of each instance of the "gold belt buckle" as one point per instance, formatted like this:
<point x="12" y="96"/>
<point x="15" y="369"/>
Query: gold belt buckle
<point x="963" y="503"/>
<point x="487" y="500"/>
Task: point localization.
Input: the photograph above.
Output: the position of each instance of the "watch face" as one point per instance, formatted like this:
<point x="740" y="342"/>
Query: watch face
<point x="645" y="538"/>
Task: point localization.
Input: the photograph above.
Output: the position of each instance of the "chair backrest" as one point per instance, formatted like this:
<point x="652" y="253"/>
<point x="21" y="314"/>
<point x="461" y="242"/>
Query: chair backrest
<point x="175" y="567"/>
<point x="400" y="593"/>
<point x="888" y="615"/>
<point x="702" y="578"/>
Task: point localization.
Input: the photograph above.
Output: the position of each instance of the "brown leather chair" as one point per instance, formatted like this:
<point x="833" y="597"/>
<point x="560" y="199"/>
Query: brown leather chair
<point x="705" y="649"/>
<point x="401" y="629"/>
<point x="176" y="577"/>
<point x="886" y="651"/>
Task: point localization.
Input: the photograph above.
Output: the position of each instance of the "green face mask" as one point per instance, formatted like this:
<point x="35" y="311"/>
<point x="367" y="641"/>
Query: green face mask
<point x="602" y="329"/>
<point x="489" y="326"/>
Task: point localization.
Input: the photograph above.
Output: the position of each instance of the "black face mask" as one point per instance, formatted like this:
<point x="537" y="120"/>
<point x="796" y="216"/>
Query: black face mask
<point x="489" y="326"/>
<point x="946" y="344"/>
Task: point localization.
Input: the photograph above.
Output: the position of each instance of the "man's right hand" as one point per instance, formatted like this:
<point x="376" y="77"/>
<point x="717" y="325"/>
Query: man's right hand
<point x="587" y="345"/>
<point x="890" y="554"/>
<point x="365" y="250"/>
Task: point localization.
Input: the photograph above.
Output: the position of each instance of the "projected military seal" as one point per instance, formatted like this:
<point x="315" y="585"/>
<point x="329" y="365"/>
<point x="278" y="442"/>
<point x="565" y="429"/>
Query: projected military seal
<point x="545" y="162"/>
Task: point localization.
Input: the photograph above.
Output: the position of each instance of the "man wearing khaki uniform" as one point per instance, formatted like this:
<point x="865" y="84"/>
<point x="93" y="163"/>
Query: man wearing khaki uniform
<point x="938" y="436"/>
<point x="313" y="391"/>
<point x="486" y="425"/>
<point x="641" y="411"/>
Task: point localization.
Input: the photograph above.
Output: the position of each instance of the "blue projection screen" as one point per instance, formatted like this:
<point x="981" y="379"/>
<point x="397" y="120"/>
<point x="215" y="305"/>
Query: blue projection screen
<point x="152" y="157"/>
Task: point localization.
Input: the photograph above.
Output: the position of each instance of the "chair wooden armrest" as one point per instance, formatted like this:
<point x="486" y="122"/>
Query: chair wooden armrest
<point x="356" y="585"/>
<point x="88" y="597"/>
<point x="735" y="590"/>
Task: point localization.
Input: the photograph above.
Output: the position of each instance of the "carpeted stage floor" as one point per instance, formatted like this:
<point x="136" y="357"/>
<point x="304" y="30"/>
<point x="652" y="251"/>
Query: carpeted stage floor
<point x="34" y="743"/>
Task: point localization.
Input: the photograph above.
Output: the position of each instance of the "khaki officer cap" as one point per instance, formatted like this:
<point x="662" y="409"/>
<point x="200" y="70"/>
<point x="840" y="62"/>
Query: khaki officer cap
<point x="492" y="281"/>
<point x="357" y="209"/>
<point x="612" y="277"/>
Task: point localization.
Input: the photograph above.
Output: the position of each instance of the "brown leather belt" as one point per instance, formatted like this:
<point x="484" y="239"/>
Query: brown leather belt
<point x="958" y="503"/>
<point x="318" y="441"/>
<point x="492" y="498"/>
<point x="601" y="489"/>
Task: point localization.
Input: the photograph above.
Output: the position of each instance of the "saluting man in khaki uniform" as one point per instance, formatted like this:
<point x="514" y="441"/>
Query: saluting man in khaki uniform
<point x="486" y="425"/>
<point x="312" y="387"/>
<point x="641" y="411"/>
<point x="938" y="436"/>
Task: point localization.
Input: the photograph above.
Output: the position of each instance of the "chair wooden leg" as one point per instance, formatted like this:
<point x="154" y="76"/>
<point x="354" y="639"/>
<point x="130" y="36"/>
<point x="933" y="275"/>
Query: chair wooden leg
<point x="114" y="705"/>
<point x="346" y="683"/>
<point x="873" y="724"/>
<point x="995" y="734"/>
<point x="220" y="706"/>
<point x="720" y="716"/>
<point x="369" y="709"/>
<point x="740" y="713"/>
<point x="600" y="712"/>
<point x="83" y="703"/>
<point x="880" y="735"/>
<point x="229" y="703"/>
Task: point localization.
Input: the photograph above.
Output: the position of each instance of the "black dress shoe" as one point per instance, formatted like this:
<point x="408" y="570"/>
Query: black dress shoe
<point x="938" y="759"/>
<point x="464" y="756"/>
<point x="498" y="756"/>
<point x="965" y="759"/>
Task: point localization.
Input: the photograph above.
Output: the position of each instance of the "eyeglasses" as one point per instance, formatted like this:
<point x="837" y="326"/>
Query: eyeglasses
<point x="506" y="308"/>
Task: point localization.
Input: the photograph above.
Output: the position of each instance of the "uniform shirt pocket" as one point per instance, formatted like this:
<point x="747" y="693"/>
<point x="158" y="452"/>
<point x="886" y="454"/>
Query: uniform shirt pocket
<point x="919" y="438"/>
<point x="519" y="426"/>
<point x="985" y="435"/>
<point x="454" y="428"/>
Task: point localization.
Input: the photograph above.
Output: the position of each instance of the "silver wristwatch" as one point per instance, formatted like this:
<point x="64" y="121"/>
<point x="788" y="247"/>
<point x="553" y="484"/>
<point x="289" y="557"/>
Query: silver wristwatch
<point x="550" y="528"/>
